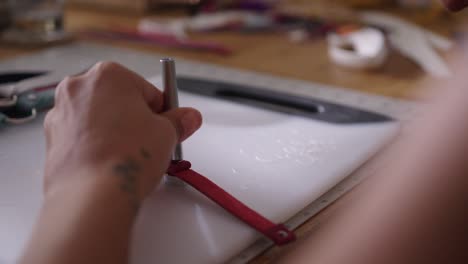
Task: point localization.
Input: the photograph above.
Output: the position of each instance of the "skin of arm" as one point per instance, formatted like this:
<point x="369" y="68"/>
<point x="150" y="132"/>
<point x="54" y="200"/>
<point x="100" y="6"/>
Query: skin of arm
<point x="108" y="146"/>
<point x="415" y="208"/>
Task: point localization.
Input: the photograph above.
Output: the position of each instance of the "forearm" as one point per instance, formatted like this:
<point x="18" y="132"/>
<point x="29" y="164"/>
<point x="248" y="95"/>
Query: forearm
<point x="415" y="210"/>
<point x="89" y="223"/>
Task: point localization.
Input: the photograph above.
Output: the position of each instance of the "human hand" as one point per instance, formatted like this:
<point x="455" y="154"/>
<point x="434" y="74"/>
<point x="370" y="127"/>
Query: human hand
<point x="107" y="128"/>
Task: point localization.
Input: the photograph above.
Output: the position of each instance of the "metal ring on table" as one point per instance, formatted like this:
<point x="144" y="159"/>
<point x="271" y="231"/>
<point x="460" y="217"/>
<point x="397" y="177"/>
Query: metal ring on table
<point x="9" y="101"/>
<point x="17" y="121"/>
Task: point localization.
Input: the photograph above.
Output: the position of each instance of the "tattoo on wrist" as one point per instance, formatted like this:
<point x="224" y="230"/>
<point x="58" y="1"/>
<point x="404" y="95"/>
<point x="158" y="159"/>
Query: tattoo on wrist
<point x="128" y="172"/>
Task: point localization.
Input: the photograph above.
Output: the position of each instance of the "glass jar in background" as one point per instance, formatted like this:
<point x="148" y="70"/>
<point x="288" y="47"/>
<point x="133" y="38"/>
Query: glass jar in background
<point x="35" y="22"/>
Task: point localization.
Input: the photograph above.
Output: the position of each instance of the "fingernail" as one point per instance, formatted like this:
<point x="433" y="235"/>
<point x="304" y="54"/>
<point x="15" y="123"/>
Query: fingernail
<point x="190" y="121"/>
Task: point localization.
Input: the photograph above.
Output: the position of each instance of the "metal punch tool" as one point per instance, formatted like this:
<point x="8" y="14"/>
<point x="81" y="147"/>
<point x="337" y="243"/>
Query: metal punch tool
<point x="171" y="101"/>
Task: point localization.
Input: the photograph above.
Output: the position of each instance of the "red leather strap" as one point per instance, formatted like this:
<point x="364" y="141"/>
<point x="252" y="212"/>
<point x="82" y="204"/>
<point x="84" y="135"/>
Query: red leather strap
<point x="278" y="233"/>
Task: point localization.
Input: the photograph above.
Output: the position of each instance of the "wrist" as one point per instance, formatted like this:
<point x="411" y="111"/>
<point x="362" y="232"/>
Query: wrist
<point x="90" y="187"/>
<point x="134" y="174"/>
<point x="82" y="216"/>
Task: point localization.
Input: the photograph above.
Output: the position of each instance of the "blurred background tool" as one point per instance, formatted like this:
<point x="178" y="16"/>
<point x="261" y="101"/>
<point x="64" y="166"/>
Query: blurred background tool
<point x="156" y="39"/>
<point x="25" y="93"/>
<point x="16" y="82"/>
<point x="414" y="42"/>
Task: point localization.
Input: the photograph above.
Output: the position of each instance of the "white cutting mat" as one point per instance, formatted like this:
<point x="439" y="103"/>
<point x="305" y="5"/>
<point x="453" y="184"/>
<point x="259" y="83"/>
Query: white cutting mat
<point x="275" y="163"/>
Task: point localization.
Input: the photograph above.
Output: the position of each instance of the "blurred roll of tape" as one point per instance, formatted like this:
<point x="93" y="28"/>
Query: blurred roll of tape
<point x="362" y="49"/>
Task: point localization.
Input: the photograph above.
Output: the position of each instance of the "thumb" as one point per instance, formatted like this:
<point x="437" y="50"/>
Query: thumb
<point x="185" y="120"/>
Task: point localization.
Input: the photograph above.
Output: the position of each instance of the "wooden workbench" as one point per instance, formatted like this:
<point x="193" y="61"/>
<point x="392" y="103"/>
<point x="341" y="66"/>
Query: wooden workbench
<point x="272" y="54"/>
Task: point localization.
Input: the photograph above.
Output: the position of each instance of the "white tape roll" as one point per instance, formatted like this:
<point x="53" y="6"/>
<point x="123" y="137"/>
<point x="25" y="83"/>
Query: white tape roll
<point x="363" y="49"/>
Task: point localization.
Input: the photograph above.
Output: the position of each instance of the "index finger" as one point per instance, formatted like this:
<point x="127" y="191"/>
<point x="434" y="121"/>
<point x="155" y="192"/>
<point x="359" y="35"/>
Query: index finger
<point x="152" y="95"/>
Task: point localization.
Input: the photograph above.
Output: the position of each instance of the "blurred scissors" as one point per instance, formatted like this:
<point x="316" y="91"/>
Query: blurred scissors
<point x="23" y="93"/>
<point x="9" y="83"/>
